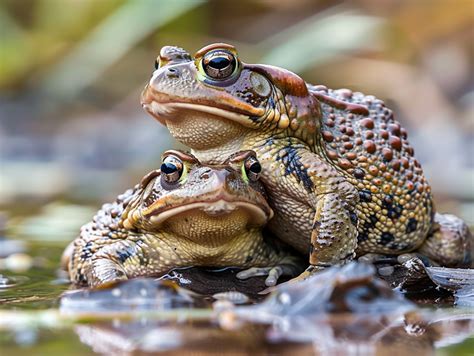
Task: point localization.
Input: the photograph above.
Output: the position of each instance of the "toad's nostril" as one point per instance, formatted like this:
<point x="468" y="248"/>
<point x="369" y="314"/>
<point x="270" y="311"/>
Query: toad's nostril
<point x="206" y="173"/>
<point x="172" y="73"/>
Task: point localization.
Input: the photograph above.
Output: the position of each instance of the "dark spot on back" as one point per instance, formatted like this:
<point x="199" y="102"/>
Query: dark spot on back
<point x="395" y="212"/>
<point x="370" y="223"/>
<point x="365" y="195"/>
<point x="126" y="252"/>
<point x="354" y="218"/>
<point x="362" y="236"/>
<point x="412" y="225"/>
<point x="386" y="238"/>
<point x="81" y="279"/>
<point x="359" y="173"/>
<point x="387" y="201"/>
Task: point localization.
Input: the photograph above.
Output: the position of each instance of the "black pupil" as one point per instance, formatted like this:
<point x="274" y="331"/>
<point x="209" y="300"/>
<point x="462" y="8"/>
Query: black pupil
<point x="256" y="167"/>
<point x="219" y="62"/>
<point x="168" y="168"/>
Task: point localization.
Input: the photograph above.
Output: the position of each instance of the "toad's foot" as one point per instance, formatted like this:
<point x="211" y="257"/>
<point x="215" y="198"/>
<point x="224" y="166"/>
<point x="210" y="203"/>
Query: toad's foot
<point x="289" y="266"/>
<point x="449" y="243"/>
<point x="104" y="272"/>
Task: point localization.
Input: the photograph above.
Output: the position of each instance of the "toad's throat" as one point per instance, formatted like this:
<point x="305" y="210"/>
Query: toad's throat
<point x="196" y="125"/>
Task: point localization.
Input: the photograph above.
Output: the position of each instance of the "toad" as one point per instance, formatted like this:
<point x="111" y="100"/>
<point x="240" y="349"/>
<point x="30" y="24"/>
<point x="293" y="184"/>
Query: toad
<point x="185" y="214"/>
<point x="340" y="173"/>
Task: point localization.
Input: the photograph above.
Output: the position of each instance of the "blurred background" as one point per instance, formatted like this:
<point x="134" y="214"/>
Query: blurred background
<point x="73" y="134"/>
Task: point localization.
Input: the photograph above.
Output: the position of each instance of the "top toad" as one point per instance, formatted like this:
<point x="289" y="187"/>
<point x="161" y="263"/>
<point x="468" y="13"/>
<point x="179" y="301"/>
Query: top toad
<point x="340" y="173"/>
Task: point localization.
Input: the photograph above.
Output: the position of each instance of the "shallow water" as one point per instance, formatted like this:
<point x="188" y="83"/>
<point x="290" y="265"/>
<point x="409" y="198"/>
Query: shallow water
<point x="40" y="314"/>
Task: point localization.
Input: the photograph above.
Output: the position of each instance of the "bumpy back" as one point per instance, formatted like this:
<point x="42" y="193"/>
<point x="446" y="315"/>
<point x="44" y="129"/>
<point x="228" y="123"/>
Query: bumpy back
<point x="361" y="138"/>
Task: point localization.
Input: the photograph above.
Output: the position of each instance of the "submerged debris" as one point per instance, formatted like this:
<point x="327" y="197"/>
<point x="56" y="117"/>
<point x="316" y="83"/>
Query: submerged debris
<point x="458" y="280"/>
<point x="419" y="281"/>
<point x="353" y="288"/>
<point x="349" y="308"/>
<point x="208" y="281"/>
<point x="232" y="296"/>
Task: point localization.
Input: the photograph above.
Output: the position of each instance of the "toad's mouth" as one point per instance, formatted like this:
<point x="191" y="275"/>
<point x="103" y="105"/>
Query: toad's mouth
<point x="258" y="215"/>
<point x="164" y="112"/>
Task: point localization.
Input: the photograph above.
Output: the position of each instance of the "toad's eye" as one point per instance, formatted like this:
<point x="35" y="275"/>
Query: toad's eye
<point x="171" y="169"/>
<point x="252" y="168"/>
<point x="219" y="64"/>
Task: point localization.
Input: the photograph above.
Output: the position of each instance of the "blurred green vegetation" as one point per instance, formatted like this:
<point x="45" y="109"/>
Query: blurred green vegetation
<point x="71" y="72"/>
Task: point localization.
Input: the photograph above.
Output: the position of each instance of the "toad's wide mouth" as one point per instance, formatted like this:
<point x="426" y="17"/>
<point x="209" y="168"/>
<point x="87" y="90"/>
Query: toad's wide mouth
<point x="173" y="110"/>
<point x="167" y="107"/>
<point x="258" y="214"/>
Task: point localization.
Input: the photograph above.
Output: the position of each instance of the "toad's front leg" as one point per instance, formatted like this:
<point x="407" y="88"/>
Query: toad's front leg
<point x="334" y="228"/>
<point x="309" y="193"/>
<point x="120" y="261"/>
<point x="107" y="264"/>
<point x="333" y="236"/>
<point x="334" y="232"/>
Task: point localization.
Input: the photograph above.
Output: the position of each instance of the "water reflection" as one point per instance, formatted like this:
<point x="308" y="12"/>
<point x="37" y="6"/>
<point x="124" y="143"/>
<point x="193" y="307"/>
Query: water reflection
<point x="10" y="282"/>
<point x="331" y="335"/>
<point x="344" y="310"/>
<point x="142" y="294"/>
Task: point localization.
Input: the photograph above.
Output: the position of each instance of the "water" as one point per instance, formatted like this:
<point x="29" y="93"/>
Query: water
<point x="40" y="314"/>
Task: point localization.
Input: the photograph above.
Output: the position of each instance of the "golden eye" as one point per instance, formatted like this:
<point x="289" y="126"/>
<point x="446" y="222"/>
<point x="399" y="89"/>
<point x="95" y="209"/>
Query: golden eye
<point x="219" y="64"/>
<point x="252" y="168"/>
<point x="171" y="169"/>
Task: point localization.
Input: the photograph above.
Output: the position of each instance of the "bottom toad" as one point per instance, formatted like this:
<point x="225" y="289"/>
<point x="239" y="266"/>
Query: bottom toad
<point x="185" y="214"/>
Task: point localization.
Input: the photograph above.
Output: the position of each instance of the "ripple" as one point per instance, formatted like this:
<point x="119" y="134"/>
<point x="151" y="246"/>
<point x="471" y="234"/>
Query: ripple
<point x="10" y="282"/>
